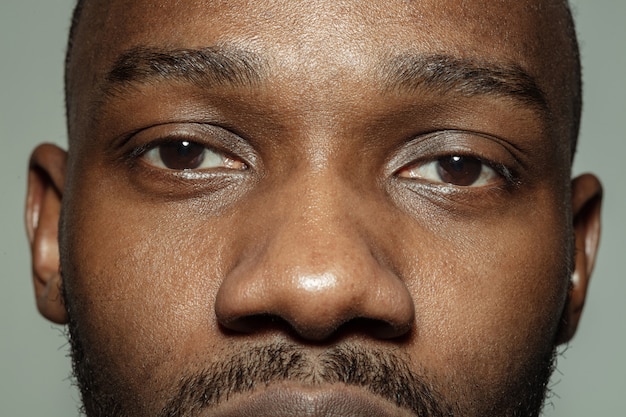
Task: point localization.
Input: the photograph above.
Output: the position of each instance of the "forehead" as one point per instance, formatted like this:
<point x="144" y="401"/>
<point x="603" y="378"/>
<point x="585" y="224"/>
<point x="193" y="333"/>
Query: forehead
<point x="458" y="26"/>
<point x="324" y="43"/>
<point x="333" y="31"/>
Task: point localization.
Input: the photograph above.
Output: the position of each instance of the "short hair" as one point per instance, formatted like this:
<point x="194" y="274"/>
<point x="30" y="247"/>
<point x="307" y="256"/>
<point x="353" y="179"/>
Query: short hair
<point x="575" y="92"/>
<point x="78" y="10"/>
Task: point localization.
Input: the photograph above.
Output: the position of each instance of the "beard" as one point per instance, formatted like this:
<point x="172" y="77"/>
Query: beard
<point x="377" y="371"/>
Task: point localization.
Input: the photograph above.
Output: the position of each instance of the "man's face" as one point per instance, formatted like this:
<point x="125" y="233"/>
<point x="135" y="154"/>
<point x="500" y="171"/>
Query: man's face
<point x="316" y="208"/>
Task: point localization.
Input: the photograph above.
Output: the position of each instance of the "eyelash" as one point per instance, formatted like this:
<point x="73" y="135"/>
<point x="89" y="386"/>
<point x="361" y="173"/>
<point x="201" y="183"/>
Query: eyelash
<point x="490" y="151"/>
<point x="140" y="151"/>
<point x="508" y="175"/>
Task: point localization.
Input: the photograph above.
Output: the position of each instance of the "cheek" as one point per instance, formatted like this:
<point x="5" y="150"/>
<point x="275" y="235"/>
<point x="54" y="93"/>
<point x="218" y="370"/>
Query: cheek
<point x="489" y="295"/>
<point x="142" y="279"/>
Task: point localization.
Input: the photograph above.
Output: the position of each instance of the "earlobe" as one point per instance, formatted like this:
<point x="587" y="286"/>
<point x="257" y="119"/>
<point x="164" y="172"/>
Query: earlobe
<point x="586" y="207"/>
<point x="46" y="178"/>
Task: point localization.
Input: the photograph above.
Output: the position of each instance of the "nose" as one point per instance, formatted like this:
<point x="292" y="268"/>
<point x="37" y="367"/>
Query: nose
<point x="314" y="266"/>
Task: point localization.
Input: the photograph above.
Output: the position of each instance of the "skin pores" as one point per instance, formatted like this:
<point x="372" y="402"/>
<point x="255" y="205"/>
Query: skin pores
<point x="319" y="222"/>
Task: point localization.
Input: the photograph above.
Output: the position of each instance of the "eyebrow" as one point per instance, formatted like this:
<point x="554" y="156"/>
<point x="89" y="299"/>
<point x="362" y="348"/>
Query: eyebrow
<point x="444" y="74"/>
<point x="207" y="67"/>
<point x="227" y="66"/>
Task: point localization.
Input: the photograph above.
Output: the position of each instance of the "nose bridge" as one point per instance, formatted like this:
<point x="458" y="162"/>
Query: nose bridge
<point x="317" y="225"/>
<point x="314" y="268"/>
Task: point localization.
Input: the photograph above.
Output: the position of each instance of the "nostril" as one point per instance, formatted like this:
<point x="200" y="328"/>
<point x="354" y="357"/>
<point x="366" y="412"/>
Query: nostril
<point x="248" y="324"/>
<point x="261" y="323"/>
<point x="315" y="298"/>
<point x="256" y="323"/>
<point x="369" y="327"/>
<point x="378" y="328"/>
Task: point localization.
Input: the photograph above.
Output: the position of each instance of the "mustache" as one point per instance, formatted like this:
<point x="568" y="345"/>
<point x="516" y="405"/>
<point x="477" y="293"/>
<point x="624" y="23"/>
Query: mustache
<point x="379" y="372"/>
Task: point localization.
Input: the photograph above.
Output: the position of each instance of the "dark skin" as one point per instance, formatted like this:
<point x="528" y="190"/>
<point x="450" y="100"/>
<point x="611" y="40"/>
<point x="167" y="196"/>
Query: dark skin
<point x="317" y="200"/>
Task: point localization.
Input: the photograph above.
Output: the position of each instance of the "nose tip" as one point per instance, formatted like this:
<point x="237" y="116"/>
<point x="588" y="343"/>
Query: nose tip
<point x="318" y="264"/>
<point x="315" y="306"/>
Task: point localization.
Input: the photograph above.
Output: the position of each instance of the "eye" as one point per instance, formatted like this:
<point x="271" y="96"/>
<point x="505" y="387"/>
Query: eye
<point x="463" y="171"/>
<point x="187" y="155"/>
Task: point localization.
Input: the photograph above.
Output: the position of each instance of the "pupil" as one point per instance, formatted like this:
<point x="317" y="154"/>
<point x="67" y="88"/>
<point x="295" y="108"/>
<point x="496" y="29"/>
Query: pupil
<point x="459" y="170"/>
<point x="181" y="155"/>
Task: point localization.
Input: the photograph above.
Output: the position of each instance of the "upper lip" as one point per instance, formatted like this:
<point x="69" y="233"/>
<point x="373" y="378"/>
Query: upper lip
<point x="286" y="400"/>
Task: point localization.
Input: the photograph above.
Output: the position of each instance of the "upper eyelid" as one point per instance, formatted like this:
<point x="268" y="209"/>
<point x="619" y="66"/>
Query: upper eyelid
<point x="502" y="170"/>
<point x="143" y="149"/>
<point x="437" y="144"/>
<point x="491" y="164"/>
<point x="215" y="138"/>
<point x="156" y="160"/>
<point x="220" y="154"/>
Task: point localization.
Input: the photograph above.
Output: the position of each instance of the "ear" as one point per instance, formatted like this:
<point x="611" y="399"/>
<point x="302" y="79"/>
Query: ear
<point x="46" y="178"/>
<point x="586" y="205"/>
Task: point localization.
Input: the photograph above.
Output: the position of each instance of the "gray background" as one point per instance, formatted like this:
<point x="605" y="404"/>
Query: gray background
<point x="34" y="368"/>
